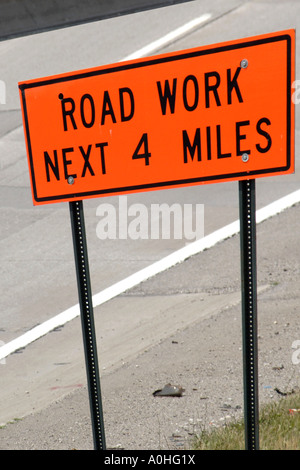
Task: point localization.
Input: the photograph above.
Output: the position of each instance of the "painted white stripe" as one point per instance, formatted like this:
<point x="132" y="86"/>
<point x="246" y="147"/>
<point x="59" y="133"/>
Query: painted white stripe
<point x="277" y="206"/>
<point x="168" y="38"/>
<point x="176" y="257"/>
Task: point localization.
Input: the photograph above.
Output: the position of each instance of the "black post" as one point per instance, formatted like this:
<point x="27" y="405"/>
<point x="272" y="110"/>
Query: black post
<point x="249" y="310"/>
<point x="87" y="321"/>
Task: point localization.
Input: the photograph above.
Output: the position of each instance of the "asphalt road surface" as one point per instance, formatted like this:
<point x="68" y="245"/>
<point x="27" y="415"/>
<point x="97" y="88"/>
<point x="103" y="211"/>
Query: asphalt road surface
<point x="38" y="278"/>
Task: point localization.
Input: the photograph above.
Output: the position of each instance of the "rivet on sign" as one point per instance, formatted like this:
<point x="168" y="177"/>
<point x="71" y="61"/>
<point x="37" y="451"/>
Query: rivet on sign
<point x="245" y="157"/>
<point x="244" y="63"/>
<point x="70" y="180"/>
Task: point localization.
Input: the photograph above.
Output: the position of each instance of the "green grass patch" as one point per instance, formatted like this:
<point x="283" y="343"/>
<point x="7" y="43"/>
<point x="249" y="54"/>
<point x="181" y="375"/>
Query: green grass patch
<point x="279" y="429"/>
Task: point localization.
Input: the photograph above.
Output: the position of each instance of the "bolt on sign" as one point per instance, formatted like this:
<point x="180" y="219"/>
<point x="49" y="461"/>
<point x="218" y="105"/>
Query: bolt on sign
<point x="217" y="113"/>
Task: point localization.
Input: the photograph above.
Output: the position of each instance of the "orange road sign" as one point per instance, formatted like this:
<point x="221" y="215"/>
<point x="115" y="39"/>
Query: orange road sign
<point x="217" y="113"/>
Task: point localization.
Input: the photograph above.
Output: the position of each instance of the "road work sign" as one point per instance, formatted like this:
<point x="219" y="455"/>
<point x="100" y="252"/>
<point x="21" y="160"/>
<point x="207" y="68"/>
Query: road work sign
<point x="217" y="113"/>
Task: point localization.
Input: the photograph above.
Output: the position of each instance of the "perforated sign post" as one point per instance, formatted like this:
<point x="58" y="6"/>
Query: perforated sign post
<point x="216" y="113"/>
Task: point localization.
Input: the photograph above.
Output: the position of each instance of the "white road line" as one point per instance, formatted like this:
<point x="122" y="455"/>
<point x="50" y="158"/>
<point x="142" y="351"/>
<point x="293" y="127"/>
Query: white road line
<point x="177" y="257"/>
<point x="168" y="38"/>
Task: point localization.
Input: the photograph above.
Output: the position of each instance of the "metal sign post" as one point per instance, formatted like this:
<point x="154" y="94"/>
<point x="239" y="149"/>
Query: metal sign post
<point x="87" y="321"/>
<point x="249" y="310"/>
